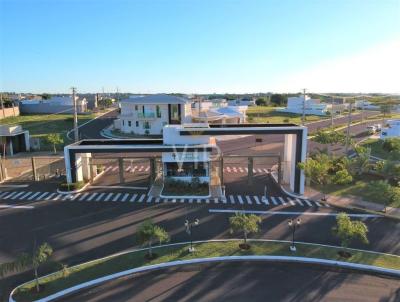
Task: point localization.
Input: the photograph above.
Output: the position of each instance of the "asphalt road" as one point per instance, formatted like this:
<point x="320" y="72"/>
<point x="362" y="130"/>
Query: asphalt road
<point x="245" y="281"/>
<point x="92" y="129"/>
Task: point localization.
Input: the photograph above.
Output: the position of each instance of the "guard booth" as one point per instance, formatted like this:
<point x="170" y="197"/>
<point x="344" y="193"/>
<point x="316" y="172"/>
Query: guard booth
<point x="186" y="150"/>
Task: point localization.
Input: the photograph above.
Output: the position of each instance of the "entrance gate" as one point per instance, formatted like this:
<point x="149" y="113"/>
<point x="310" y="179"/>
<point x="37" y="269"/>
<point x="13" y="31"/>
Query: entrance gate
<point x="123" y="170"/>
<point x="248" y="166"/>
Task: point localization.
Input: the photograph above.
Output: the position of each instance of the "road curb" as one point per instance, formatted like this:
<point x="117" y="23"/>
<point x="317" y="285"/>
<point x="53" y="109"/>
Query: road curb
<point x="290" y="259"/>
<point x="283" y="259"/>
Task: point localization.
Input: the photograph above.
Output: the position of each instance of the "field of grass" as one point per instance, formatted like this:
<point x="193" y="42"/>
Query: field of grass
<point x="264" y="114"/>
<point x="359" y="188"/>
<point x="39" y="125"/>
<point x="376" y="148"/>
<point x="86" y="272"/>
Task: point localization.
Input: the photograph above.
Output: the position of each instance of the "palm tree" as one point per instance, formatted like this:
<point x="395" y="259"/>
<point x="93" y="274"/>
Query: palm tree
<point x="247" y="224"/>
<point x="149" y="232"/>
<point x="39" y="256"/>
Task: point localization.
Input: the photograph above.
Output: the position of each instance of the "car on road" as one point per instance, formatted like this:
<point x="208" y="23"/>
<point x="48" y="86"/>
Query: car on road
<point x="372" y="129"/>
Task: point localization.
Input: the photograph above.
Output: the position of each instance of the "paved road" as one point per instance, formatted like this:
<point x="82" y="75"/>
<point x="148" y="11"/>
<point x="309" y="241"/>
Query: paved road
<point x="84" y="228"/>
<point x="245" y="281"/>
<point x="92" y="129"/>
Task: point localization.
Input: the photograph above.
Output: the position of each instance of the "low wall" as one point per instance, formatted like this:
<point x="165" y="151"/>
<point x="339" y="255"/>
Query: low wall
<point x="8" y="112"/>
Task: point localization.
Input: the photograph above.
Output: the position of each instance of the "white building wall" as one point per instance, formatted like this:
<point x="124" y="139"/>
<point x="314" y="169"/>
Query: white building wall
<point x="133" y="121"/>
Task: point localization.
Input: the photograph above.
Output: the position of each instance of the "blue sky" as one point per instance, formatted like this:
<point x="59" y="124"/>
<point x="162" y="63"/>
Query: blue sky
<point x="199" y="46"/>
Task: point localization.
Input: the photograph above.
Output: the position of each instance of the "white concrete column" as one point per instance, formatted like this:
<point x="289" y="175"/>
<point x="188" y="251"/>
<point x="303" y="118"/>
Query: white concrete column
<point x="67" y="165"/>
<point x="27" y="143"/>
<point x="78" y="167"/>
<point x="86" y="166"/>
<point x="303" y="159"/>
<point x="289" y="160"/>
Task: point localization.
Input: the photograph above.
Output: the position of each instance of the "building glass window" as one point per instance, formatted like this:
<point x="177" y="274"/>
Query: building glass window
<point x="136" y="107"/>
<point x="129" y="123"/>
<point x="191" y="169"/>
<point x="175" y="117"/>
<point x="137" y="123"/>
<point x="146" y="125"/>
<point x="123" y="123"/>
<point x="158" y="111"/>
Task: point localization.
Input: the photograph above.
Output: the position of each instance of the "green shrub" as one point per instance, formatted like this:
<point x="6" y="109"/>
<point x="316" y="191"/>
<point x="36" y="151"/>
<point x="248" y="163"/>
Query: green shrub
<point x="342" y="177"/>
<point x="380" y="191"/>
<point x="72" y="186"/>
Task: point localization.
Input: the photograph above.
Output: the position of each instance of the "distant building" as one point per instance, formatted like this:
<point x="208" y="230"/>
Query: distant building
<point x="57" y="104"/>
<point x="13" y="139"/>
<point x="149" y="114"/>
<point x="218" y="112"/>
<point x="246" y="101"/>
<point x="391" y="129"/>
<point x="366" y="105"/>
<point x="311" y="106"/>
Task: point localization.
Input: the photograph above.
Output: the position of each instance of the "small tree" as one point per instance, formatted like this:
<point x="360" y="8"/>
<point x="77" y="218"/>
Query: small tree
<point x="347" y="230"/>
<point x="247" y="224"/>
<point x="316" y="169"/>
<point x="54" y="139"/>
<point x="39" y="256"/>
<point x="329" y="138"/>
<point x="342" y="177"/>
<point x="148" y="232"/>
<point x="361" y="163"/>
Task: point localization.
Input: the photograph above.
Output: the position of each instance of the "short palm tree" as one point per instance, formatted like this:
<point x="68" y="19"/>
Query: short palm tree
<point x="149" y="232"/>
<point x="39" y="256"/>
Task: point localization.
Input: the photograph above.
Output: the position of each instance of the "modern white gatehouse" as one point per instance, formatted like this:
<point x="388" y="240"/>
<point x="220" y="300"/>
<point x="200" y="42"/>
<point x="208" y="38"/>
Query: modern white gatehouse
<point x="186" y="152"/>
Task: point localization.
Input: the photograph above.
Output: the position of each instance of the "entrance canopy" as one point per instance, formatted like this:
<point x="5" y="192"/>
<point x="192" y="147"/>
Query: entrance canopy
<point x="195" y="138"/>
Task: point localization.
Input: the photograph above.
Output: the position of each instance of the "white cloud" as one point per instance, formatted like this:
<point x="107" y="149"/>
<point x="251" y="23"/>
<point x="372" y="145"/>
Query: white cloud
<point x="376" y="69"/>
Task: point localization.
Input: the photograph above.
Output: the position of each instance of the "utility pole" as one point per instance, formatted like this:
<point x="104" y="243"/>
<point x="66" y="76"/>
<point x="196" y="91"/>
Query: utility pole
<point x="76" y="134"/>
<point x="303" y="118"/>
<point x="362" y="110"/>
<point x="2" y="105"/>
<point x="348" y="128"/>
<point x="332" y="111"/>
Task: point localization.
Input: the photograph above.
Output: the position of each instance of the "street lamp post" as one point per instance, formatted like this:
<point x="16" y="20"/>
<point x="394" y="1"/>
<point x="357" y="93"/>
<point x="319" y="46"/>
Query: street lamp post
<point x="189" y="229"/>
<point x="294" y="225"/>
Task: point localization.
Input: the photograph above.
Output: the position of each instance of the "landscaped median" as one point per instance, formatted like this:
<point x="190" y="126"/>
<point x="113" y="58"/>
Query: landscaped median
<point x="128" y="260"/>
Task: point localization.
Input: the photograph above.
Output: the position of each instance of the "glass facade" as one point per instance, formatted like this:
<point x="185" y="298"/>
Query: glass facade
<point x="186" y="169"/>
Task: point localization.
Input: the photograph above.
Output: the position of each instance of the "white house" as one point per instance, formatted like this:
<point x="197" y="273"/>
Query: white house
<point x="366" y="105"/>
<point x="149" y="114"/>
<point x="218" y="112"/>
<point x="311" y="106"/>
<point x="242" y="102"/>
<point x="392" y="129"/>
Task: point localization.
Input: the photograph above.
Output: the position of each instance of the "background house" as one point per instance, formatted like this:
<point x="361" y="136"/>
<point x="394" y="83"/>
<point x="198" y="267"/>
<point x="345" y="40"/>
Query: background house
<point x="366" y="105"/>
<point x="218" y="112"/>
<point x="311" y="106"/>
<point x="56" y="104"/>
<point x="149" y="114"/>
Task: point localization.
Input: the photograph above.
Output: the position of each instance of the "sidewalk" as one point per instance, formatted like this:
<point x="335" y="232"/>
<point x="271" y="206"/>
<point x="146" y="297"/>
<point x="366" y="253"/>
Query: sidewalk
<point x="352" y="202"/>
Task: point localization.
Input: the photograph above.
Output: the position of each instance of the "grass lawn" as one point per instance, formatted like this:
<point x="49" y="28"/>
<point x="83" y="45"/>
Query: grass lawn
<point x="39" y="125"/>
<point x="359" y="189"/>
<point x="264" y="114"/>
<point x="376" y="148"/>
<point x="83" y="273"/>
